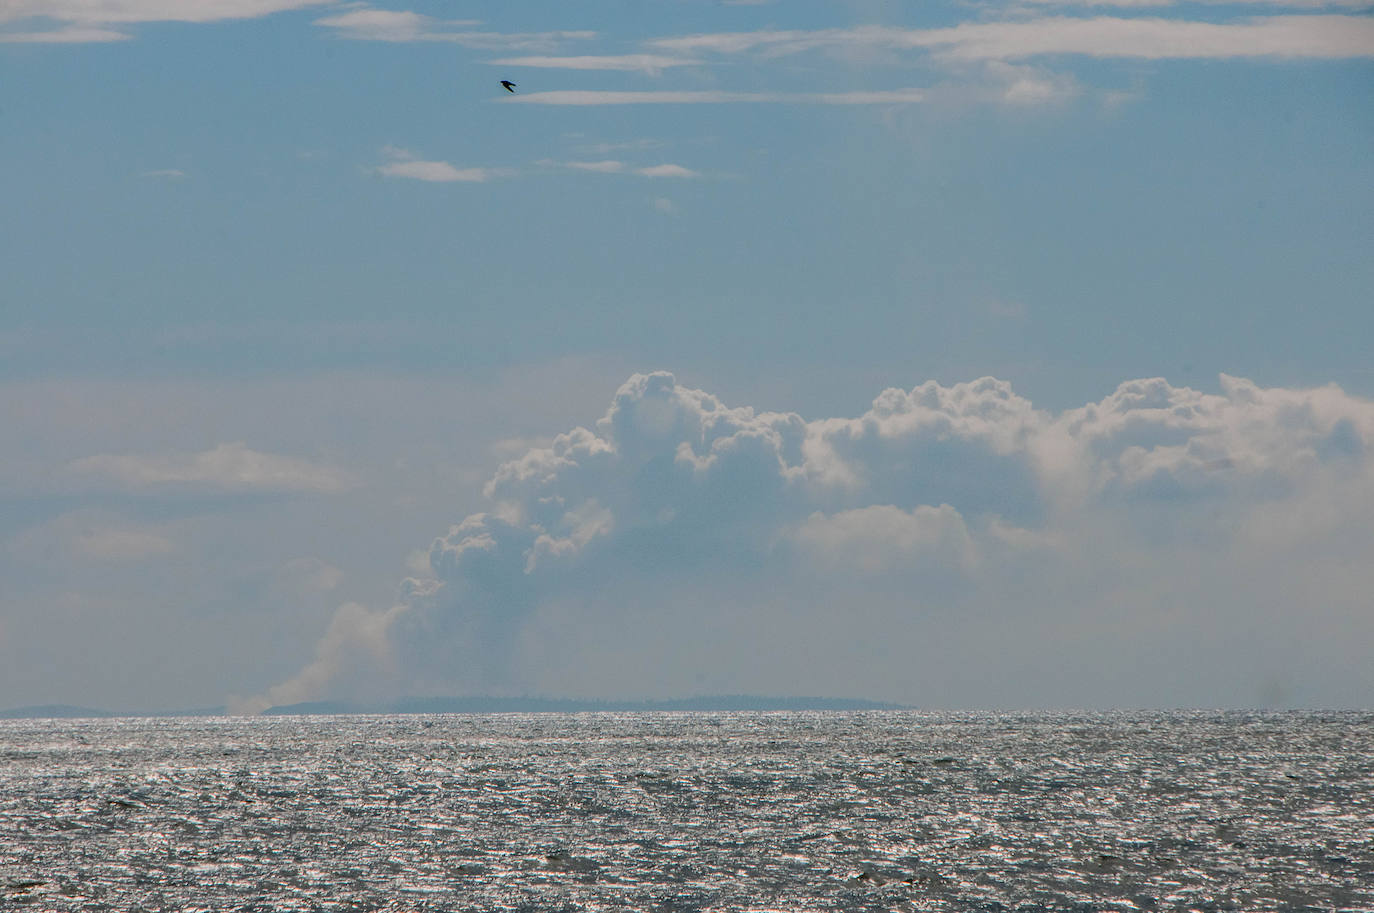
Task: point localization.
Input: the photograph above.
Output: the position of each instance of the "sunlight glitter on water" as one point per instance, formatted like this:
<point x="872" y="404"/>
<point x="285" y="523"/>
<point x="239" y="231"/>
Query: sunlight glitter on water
<point x="801" y="811"/>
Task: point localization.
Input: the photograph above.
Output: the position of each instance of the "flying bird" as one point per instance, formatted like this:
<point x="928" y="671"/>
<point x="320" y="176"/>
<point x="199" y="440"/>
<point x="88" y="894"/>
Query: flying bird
<point x="510" y="86"/>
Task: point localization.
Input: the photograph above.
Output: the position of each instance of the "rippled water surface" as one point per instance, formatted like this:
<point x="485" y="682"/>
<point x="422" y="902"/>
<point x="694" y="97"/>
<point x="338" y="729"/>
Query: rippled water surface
<point x="775" y="811"/>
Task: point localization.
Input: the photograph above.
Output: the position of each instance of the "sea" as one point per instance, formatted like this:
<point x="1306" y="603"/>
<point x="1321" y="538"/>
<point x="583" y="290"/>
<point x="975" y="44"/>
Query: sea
<point x="784" y="811"/>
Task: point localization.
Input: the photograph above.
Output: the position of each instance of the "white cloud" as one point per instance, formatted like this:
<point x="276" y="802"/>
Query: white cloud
<point x="1278" y="36"/>
<point x="886" y="538"/>
<point x="515" y="41"/>
<point x="130" y="11"/>
<point x="580" y="526"/>
<point x="1122" y="543"/>
<point x="1119" y="4"/>
<point x="378" y="25"/>
<point x="89" y="21"/>
<point x="1314" y="36"/>
<point x="368" y="24"/>
<point x="404" y="164"/>
<point x="605" y="166"/>
<point x="230" y="467"/>
<point x="598" y="97"/>
<point x="667" y="170"/>
<point x="435" y="172"/>
<point x="1151" y="441"/>
<point x="642" y="63"/>
<point x="1018" y="84"/>
<point x="614" y="166"/>
<point x="72" y="34"/>
<point x="1155" y="4"/>
<point x="228" y="580"/>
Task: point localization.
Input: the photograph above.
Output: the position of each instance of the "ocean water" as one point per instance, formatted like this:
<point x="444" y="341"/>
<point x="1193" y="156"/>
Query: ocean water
<point x="679" y="812"/>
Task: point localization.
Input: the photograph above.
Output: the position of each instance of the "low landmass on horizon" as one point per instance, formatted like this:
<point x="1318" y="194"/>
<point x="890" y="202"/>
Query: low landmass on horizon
<point x="422" y="705"/>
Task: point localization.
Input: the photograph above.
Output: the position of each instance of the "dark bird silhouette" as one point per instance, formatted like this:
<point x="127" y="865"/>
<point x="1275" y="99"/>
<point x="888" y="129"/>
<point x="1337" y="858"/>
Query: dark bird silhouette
<point x="510" y="86"/>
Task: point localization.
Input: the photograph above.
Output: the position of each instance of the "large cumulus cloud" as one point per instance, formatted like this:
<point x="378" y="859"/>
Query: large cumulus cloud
<point x="952" y="545"/>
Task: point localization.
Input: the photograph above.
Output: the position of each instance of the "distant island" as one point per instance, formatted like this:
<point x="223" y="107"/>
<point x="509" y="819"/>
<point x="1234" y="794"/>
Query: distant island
<point x="715" y="704"/>
<point x="475" y="705"/>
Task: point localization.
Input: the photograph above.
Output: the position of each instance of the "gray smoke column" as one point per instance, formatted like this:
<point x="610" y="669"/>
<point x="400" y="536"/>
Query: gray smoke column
<point x="683" y="533"/>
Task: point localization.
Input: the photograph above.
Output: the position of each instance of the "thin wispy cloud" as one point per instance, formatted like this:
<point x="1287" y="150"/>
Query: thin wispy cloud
<point x="72" y="34"/>
<point x="379" y="25"/>
<point x="434" y="172"/>
<point x="228" y="467"/>
<point x="367" y="24"/>
<point x="110" y="11"/>
<point x="606" y="166"/>
<point x="1162" y="4"/>
<point x="90" y="21"/>
<point x="612" y="166"/>
<point x="1113" y="4"/>
<point x="595" y="97"/>
<point x="404" y="164"/>
<point x="1025" y="85"/>
<point x="1157" y="39"/>
<point x="642" y="63"/>
<point x="170" y="174"/>
<point x="1308" y="36"/>
<point x="667" y="170"/>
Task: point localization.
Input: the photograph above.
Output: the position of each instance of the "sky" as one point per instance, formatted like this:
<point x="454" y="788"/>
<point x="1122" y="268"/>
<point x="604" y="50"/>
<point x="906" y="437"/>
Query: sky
<point x="959" y="355"/>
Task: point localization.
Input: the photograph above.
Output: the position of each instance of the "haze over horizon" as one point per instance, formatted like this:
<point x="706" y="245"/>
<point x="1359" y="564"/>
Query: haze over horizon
<point x="992" y="355"/>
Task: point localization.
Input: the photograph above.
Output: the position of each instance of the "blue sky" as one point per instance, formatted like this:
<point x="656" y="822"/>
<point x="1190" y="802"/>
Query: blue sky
<point x="284" y="285"/>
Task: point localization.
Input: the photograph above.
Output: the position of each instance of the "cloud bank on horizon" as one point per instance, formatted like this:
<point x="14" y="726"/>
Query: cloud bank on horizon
<point x="952" y="546"/>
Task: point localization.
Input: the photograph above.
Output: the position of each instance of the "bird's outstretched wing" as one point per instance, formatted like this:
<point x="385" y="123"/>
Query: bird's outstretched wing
<point x="510" y="86"/>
